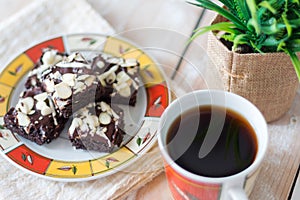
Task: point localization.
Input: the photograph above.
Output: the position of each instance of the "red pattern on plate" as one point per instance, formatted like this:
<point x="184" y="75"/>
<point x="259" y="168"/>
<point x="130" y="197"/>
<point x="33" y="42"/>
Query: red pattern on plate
<point x="35" y="52"/>
<point x="157" y="100"/>
<point x="27" y="158"/>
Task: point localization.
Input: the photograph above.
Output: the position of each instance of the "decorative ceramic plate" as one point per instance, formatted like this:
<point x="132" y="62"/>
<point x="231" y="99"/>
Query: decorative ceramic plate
<point x="58" y="160"/>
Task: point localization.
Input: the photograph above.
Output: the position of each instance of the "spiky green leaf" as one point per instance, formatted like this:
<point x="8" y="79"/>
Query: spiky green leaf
<point x="268" y="6"/>
<point x="222" y="26"/>
<point x="242" y="10"/>
<point x="222" y="11"/>
<point x="240" y="39"/>
<point x="254" y="20"/>
<point x="287" y="24"/>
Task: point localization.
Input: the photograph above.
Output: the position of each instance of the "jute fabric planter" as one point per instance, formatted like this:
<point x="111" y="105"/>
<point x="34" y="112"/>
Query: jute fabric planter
<point x="267" y="80"/>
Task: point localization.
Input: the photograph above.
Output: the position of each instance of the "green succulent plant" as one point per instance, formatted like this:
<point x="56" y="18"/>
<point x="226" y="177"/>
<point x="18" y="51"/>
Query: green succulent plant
<point x="263" y="25"/>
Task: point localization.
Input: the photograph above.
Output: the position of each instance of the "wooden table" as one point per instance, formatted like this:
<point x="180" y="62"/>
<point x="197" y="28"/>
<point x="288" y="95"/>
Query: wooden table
<point x="163" y="27"/>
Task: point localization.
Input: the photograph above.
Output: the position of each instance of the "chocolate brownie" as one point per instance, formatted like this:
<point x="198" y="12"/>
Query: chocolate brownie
<point x="97" y="127"/>
<point x="118" y="77"/>
<point x="48" y="58"/>
<point x="34" y="117"/>
<point x="61" y="85"/>
<point x="71" y="84"/>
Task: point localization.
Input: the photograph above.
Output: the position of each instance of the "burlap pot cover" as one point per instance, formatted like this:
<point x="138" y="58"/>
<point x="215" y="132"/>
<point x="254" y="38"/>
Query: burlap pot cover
<point x="268" y="80"/>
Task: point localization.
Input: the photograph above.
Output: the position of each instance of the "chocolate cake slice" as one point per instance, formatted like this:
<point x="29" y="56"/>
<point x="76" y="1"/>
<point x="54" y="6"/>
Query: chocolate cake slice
<point x="70" y="84"/>
<point x="34" y="117"/>
<point x="118" y="78"/>
<point x="97" y="127"/>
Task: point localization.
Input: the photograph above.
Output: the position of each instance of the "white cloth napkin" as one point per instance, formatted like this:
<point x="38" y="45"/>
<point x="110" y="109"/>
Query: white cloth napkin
<point x="40" y="20"/>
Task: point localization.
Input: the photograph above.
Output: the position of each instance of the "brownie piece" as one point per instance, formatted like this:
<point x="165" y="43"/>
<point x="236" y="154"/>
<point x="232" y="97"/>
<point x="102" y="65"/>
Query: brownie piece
<point x="61" y="85"/>
<point x="71" y="84"/>
<point x="118" y="79"/>
<point x="97" y="127"/>
<point x="34" y="117"/>
<point x="48" y="58"/>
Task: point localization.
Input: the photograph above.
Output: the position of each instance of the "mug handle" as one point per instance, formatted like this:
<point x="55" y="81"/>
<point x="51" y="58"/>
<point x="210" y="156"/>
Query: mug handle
<point x="237" y="194"/>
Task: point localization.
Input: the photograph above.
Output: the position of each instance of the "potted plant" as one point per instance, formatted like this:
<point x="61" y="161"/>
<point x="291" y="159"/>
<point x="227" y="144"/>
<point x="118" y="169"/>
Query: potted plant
<point x="254" y="45"/>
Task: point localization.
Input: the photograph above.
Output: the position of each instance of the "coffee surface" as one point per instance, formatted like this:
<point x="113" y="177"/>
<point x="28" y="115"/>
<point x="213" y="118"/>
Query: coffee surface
<point x="235" y="148"/>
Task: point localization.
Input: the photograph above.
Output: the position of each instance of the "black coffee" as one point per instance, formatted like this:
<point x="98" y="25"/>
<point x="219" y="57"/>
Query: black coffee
<point x="234" y="151"/>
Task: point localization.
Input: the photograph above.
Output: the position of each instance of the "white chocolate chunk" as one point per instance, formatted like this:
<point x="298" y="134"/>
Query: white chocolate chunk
<point x="112" y="113"/>
<point x="119" y="86"/>
<point x="40" y="105"/>
<point x="104" y="129"/>
<point x="100" y="64"/>
<point x="63" y="91"/>
<point x="132" y="70"/>
<point x="89" y="80"/>
<point x="103" y="83"/>
<point x="49" y="57"/>
<point x="23" y="119"/>
<point x="82" y="77"/>
<point x="29" y="102"/>
<point x="75" y="124"/>
<point x="46" y="111"/>
<point x="122" y="77"/>
<point x="31" y="112"/>
<point x="33" y="82"/>
<point x="56" y="75"/>
<point x="104" y="118"/>
<point x="106" y="74"/>
<point x="43" y="107"/>
<point x="125" y="91"/>
<point x="49" y="85"/>
<point x="21" y="107"/>
<point x="92" y="121"/>
<point x="104" y="106"/>
<point x="131" y="61"/>
<point x="69" y="79"/>
<point x="25" y="105"/>
<point x="53" y="112"/>
<point x="101" y="133"/>
<point x="79" y="86"/>
<point x="84" y="127"/>
<point x="75" y="57"/>
<point x="41" y="97"/>
<point x="111" y="78"/>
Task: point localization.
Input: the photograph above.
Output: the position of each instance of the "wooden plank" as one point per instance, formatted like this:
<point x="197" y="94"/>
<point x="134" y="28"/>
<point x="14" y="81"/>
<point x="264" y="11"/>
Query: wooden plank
<point x="283" y="157"/>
